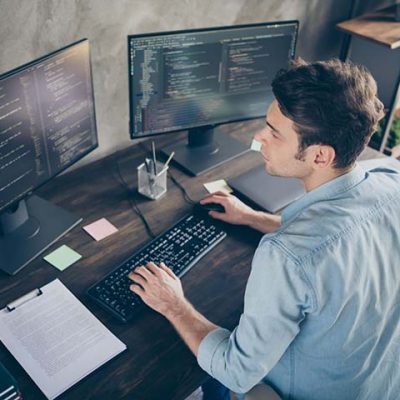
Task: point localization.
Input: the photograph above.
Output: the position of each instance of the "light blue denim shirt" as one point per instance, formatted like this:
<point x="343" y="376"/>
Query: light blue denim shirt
<point x="322" y="303"/>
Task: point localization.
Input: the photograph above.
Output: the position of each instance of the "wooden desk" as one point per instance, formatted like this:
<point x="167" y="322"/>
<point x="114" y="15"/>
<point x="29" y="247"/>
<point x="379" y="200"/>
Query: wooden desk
<point x="157" y="364"/>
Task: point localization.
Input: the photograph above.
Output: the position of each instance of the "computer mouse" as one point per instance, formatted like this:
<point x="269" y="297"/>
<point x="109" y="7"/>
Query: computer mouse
<point x="210" y="207"/>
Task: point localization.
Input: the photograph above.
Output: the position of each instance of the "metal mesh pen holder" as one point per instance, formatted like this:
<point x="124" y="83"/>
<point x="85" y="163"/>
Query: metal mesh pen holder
<point x="152" y="185"/>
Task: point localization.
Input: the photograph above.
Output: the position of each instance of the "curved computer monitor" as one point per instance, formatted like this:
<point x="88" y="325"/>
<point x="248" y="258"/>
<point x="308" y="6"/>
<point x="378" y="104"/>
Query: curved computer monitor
<point x="47" y="123"/>
<point x="196" y="79"/>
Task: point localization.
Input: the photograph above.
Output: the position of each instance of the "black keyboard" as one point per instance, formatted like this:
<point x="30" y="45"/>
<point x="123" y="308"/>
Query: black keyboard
<point x="180" y="248"/>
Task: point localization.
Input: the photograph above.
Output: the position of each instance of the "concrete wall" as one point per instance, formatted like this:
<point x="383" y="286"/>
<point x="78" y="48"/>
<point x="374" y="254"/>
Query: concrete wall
<point x="32" y="28"/>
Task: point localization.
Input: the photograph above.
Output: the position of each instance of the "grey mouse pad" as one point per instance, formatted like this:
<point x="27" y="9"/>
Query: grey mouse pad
<point x="268" y="192"/>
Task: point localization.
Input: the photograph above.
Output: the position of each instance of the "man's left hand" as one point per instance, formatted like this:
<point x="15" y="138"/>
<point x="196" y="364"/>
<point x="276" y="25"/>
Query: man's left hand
<point x="159" y="288"/>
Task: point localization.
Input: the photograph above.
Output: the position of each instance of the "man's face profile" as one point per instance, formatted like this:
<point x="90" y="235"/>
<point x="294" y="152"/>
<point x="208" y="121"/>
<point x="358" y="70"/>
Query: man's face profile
<point x="280" y="145"/>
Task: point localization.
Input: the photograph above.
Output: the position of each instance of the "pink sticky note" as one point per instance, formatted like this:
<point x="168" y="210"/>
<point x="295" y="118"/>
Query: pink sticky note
<point x="100" y="229"/>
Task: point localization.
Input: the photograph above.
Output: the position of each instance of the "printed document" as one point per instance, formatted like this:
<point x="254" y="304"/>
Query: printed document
<point x="56" y="339"/>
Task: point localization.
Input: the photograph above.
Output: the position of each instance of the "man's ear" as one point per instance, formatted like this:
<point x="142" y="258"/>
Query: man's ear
<point x="324" y="156"/>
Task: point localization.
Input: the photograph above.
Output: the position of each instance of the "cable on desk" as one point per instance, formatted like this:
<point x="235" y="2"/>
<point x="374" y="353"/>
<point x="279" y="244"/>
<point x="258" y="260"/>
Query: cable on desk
<point x="182" y="189"/>
<point x="186" y="196"/>
<point x="133" y="203"/>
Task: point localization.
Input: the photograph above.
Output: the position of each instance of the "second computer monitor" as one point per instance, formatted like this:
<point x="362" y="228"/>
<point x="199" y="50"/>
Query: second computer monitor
<point x="47" y="123"/>
<point x="194" y="80"/>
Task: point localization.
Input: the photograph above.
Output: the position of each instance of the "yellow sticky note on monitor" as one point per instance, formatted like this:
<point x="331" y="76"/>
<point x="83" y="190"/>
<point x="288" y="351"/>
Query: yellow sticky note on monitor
<point x="216" y="186"/>
<point x="255" y="145"/>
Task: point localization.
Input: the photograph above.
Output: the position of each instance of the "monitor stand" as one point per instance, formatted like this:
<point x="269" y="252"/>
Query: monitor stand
<point x="205" y="150"/>
<point x="29" y="228"/>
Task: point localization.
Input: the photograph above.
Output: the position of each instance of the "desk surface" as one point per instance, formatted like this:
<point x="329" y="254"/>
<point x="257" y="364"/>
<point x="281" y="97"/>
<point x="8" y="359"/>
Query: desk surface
<point x="157" y="364"/>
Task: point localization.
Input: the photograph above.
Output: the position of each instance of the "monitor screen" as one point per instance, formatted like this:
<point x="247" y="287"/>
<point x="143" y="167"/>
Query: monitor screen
<point x="181" y="80"/>
<point x="47" y="120"/>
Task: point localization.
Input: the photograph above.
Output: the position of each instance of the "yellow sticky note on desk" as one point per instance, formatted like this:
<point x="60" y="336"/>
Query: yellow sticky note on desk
<point x="63" y="257"/>
<point x="216" y="186"/>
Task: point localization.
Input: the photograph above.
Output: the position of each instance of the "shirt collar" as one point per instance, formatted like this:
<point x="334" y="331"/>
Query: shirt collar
<point x="326" y="191"/>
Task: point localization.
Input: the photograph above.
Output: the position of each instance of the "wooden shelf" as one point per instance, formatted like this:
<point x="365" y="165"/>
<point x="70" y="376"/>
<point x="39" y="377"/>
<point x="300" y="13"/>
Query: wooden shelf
<point x="379" y="27"/>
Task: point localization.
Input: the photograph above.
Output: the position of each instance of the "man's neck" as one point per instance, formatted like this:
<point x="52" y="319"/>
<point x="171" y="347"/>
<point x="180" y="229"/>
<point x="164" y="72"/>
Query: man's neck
<point x="318" y="178"/>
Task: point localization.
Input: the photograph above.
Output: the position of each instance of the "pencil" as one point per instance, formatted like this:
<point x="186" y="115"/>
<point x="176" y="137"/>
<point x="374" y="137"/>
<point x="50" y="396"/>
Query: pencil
<point x="169" y="160"/>
<point x="153" y="148"/>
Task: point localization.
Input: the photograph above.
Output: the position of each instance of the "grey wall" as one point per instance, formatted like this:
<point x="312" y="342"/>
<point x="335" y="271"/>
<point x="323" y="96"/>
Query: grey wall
<point x="32" y="28"/>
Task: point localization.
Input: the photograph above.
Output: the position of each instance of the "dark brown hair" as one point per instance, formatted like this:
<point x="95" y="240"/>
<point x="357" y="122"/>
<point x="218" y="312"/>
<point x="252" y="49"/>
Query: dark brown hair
<point x="332" y="103"/>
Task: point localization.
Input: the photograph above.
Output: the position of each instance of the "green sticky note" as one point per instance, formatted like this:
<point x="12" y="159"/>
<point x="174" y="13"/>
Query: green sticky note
<point x="63" y="257"/>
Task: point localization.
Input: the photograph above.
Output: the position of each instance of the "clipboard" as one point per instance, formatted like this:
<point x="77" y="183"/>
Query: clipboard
<point x="23" y="299"/>
<point x="55" y="338"/>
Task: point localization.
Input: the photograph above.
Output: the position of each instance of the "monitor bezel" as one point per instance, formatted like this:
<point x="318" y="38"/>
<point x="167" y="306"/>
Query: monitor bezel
<point x="134" y="136"/>
<point x="20" y="68"/>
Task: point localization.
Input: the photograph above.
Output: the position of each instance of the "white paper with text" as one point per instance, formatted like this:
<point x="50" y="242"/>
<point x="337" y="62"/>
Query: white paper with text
<point x="56" y="339"/>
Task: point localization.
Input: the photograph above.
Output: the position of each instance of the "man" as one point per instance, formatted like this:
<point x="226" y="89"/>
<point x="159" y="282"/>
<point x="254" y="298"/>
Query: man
<point x="322" y="303"/>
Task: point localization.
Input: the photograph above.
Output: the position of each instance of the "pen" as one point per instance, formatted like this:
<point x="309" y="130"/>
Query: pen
<point x="147" y="162"/>
<point x="147" y="165"/>
<point x="153" y="148"/>
<point x="165" y="166"/>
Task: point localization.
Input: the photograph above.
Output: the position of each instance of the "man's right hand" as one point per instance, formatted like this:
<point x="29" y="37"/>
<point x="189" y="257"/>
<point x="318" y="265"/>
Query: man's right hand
<point x="238" y="213"/>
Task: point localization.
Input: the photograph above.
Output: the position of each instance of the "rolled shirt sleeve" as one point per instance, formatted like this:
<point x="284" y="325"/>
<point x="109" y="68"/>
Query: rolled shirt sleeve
<point x="278" y="297"/>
